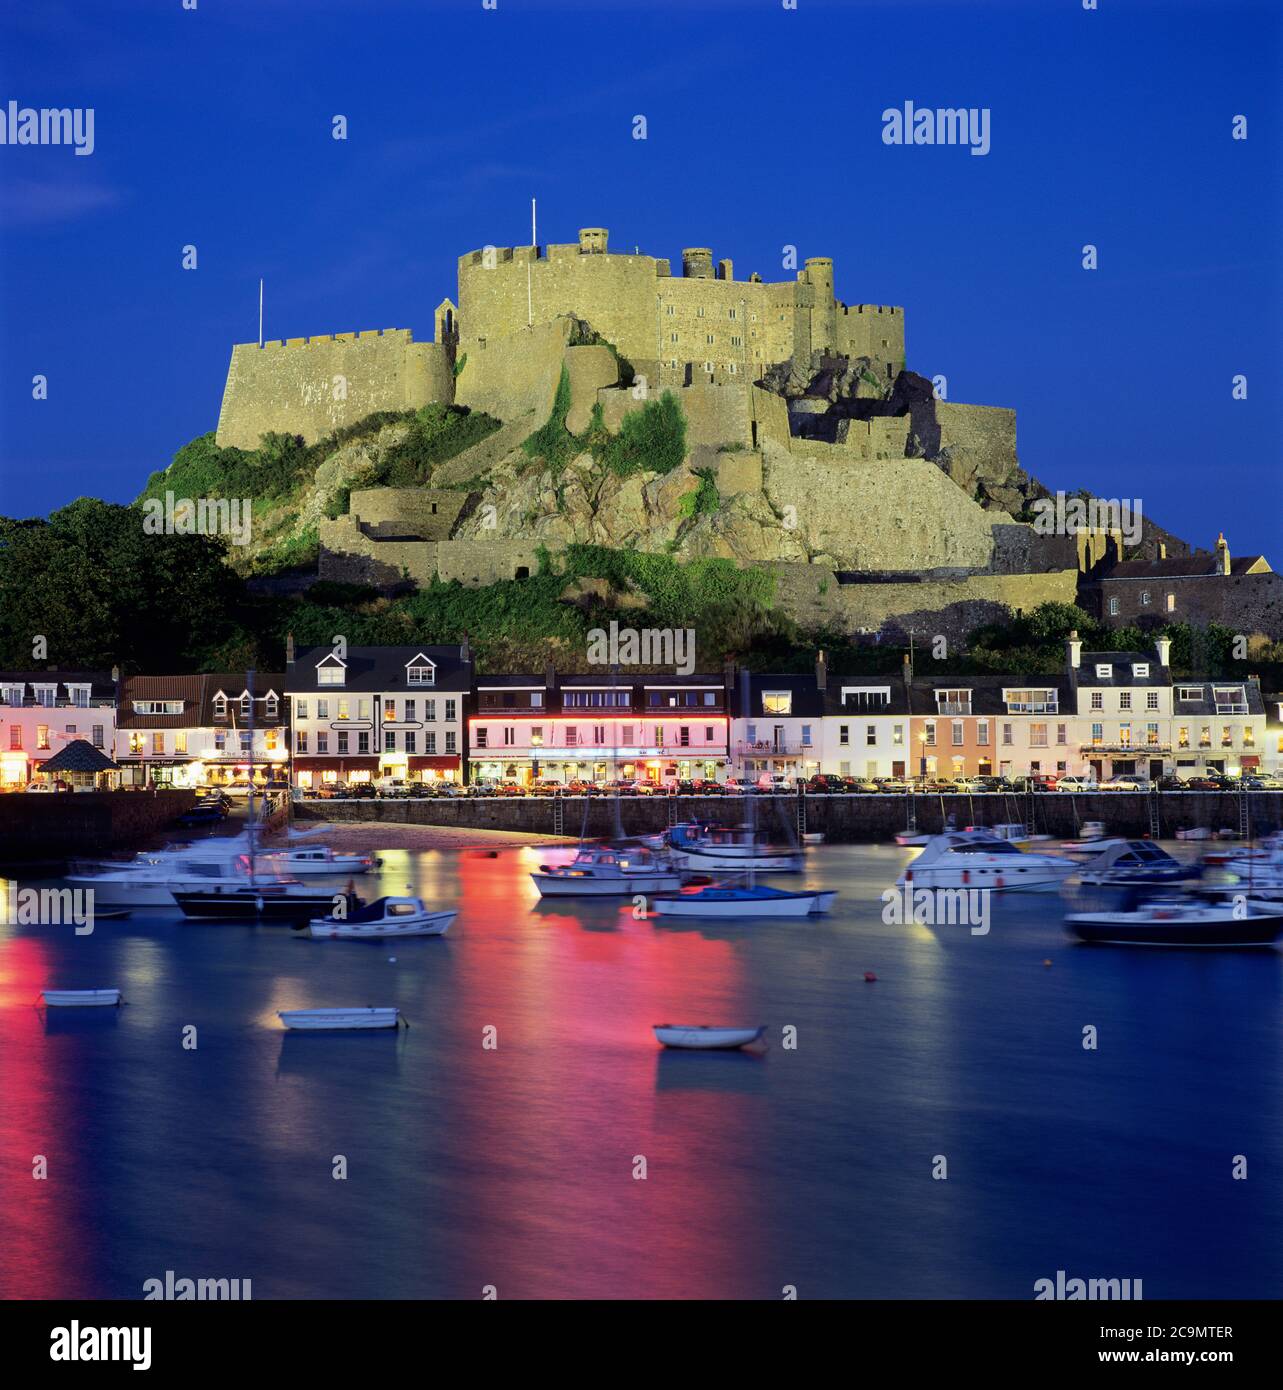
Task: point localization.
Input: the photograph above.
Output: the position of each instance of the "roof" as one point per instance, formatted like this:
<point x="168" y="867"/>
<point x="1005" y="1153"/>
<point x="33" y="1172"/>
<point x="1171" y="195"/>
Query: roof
<point x="897" y="696"/>
<point x="78" y="756"/>
<point x="378" y="670"/>
<point x="197" y="694"/>
<point x="1206" y="703"/>
<point x="986" y="691"/>
<point x="808" y="701"/>
<point x="1121" y="673"/>
<point x="1184" y="567"/>
<point x="101" y="685"/>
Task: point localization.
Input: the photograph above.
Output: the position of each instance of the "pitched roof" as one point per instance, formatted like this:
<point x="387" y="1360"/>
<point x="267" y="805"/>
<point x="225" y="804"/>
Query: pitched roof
<point x="197" y="694"/>
<point x="1182" y="567"/>
<point x="377" y="670"/>
<point x="78" y="756"/>
<point x="1121" y="672"/>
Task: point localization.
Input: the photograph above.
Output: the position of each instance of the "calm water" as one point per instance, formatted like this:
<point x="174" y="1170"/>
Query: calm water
<point x="514" y="1167"/>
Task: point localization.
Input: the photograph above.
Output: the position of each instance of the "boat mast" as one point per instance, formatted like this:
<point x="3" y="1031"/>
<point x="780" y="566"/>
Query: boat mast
<point x="614" y="748"/>
<point x="249" y="686"/>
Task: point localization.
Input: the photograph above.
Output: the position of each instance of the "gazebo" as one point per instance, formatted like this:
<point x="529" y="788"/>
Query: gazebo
<point x="80" y="764"/>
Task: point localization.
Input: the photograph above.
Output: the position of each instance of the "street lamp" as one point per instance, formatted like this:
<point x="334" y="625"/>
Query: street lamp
<point x="922" y="760"/>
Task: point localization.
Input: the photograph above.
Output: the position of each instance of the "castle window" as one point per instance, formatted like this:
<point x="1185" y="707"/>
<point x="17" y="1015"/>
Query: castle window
<point x="709" y="339"/>
<point x="1113" y="607"/>
<point x="523" y="572"/>
<point x="481" y="343"/>
<point x="1171" y="603"/>
<point x="732" y="368"/>
<point x="730" y="313"/>
<point x="672" y="338"/>
<point x="699" y="313"/>
<point x="737" y="342"/>
<point x="670" y="311"/>
<point x="1144" y="598"/>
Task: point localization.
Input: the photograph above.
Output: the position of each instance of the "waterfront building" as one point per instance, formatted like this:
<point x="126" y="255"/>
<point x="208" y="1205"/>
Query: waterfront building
<point x="361" y="713"/>
<point x="866" y="726"/>
<point x="1123" y="703"/>
<point x="656" y="728"/>
<point x="1273" y="704"/>
<point x="777" y="728"/>
<point x="195" y="731"/>
<point x="42" y="711"/>
<point x="1218" y="726"/>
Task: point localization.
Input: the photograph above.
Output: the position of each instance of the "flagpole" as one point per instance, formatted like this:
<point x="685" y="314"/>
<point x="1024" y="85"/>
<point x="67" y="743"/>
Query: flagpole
<point x="260" y="311"/>
<point x="534" y="251"/>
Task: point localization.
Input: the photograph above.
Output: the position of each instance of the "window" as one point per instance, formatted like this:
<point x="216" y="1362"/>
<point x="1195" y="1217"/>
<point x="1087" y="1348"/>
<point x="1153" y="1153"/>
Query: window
<point x="897" y="735"/>
<point x="1113" y="607"/>
<point x="270" y="707"/>
<point x="322" y="741"/>
<point x="344" y="709"/>
<point x="1140" y="670"/>
<point x="1104" y="672"/>
<point x="158" y="707"/>
<point x="15" y="737"/>
<point x="410" y="706"/>
<point x="342" y="743"/>
<point x="389" y="741"/>
<point x="1062" y="733"/>
<point x="684" y="736"/>
<point x="330" y="675"/>
<point x="450" y="741"/>
<point x="300" y="741"/>
<point x="389" y="711"/>
<point x="1125" y="735"/>
<point x="411" y="743"/>
<point x="1144" y="598"/>
<point x="97" y="736"/>
<point x="536" y="736"/>
<point x="806" y="735"/>
<point x="953" y="701"/>
<point x="601" y="699"/>
<point x="844" y="735"/>
<point x="180" y="743"/>
<point x="1249" y="736"/>
<point x="451" y="711"/>
<point x="982" y="732"/>
<point x="1151" y="734"/>
<point x="1227" y="736"/>
<point x="42" y="737"/>
<point x="46" y="695"/>
<point x="362" y="709"/>
<point x="1205" y="736"/>
<point x="220" y="741"/>
<point x="483" y="738"/>
<point x="1124" y="699"/>
<point x="1097" y="700"/>
<point x="300" y="709"/>
<point x="1230" y="699"/>
<point x="931" y="733"/>
<point x="572" y="736"/>
<point x="220" y="707"/>
<point x="79" y="695"/>
<point x="777" y="702"/>
<point x="870" y="735"/>
<point x="157" y="743"/>
<point x="70" y="728"/>
<point x="137" y="744"/>
<point x="958" y="733"/>
<point x="1182" y="736"/>
<point x="322" y="709"/>
<point x="1007" y="738"/>
<point x="1189" y="692"/>
<point x="709" y="734"/>
<point x="1037" y="736"/>
<point x="1031" y="701"/>
<point x="421" y="674"/>
<point x="1151" y="699"/>
<point x="363" y="741"/>
<point x="1171" y="603"/>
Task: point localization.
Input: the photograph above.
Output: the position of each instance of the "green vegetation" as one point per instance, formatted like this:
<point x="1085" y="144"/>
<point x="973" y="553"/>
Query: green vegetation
<point x="553" y="442"/>
<point x="703" y="500"/>
<point x="436" y="433"/>
<point x="460" y="363"/>
<point x="652" y="439"/>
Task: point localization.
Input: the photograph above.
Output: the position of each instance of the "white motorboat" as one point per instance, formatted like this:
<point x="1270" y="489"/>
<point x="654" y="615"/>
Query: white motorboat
<point x="1010" y="830"/>
<point x="386" y="917"/>
<point x="1172" y="921"/>
<point x="299" y="861"/>
<point x="316" y="1020"/>
<point x="702" y="1037"/>
<point x="81" y="998"/>
<point x="150" y="882"/>
<point x="978" y="860"/>
<point x="735" y="902"/>
<point x="602" y="871"/>
<point x="721" y="847"/>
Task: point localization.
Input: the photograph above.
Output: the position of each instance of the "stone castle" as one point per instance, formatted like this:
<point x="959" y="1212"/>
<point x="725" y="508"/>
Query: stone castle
<point x="879" y="507"/>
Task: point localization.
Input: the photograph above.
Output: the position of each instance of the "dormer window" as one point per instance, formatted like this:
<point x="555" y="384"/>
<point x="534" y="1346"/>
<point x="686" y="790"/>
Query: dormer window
<point x="420" y="671"/>
<point x="1189" y="692"/>
<point x="1104" y="672"/>
<point x="1141" y="670"/>
<point x="78" y="695"/>
<point x="46" y="695"/>
<point x="220" y="706"/>
<point x="270" y="706"/>
<point x="330" y="671"/>
<point x="953" y="701"/>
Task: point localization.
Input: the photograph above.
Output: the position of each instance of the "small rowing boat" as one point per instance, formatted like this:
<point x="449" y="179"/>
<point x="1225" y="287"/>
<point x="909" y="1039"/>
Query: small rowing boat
<point x="317" y="1019"/>
<point x="80" y="998"/>
<point x="701" y="1037"/>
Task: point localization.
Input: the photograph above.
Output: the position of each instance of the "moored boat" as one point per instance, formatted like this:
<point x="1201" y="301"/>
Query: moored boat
<point x="735" y="901"/>
<point x="383" y="918"/>
<point x="723" y="847"/>
<point x="702" y="1037"/>
<point x="282" y="901"/>
<point x="978" y="860"/>
<point x="1171" y="921"/>
<point x="298" y="861"/>
<point x="604" y="870"/>
<point x="316" y="1020"/>
<point x="80" y="998"/>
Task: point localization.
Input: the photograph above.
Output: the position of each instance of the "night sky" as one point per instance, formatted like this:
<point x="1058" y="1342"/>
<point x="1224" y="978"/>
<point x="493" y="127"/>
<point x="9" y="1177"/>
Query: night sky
<point x="765" y="125"/>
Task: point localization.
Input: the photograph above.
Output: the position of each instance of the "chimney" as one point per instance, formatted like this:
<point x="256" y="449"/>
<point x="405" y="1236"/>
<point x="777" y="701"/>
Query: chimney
<point x="289" y="651"/>
<point x="550" y="676"/>
<point x="908" y="669"/>
<point x="1163" y="646"/>
<point x="115" y="675"/>
<point x="1073" y="651"/>
<point x="821" y="672"/>
<point x="465" y="651"/>
<point x="728" y="675"/>
<point x="1222" y="554"/>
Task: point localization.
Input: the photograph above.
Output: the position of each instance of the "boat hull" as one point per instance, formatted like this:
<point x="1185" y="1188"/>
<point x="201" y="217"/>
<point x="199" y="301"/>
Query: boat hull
<point x="727" y="860"/>
<point x="328" y="928"/>
<point x="81" y="998"/>
<point x="325" y="1020"/>
<point x="244" y="905"/>
<point x="706" y="1039"/>
<point x="1116" y="929"/>
<point x="735" y="909"/>
<point x="120" y="892"/>
<point x="1012" y="880"/>
<point x="588" y="886"/>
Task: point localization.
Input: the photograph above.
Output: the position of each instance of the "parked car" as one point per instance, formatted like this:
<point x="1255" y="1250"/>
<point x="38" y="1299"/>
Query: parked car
<point x="736" y="786"/>
<point x="1033" y="782"/>
<point x="862" y="785"/>
<point x="773" y="784"/>
<point x="643" y="787"/>
<point x="392" y="788"/>
<point x="362" y="791"/>
<point x="1169" y="782"/>
<point x="545" y="786"/>
<point x="1004" y="784"/>
<point x="55" y="786"/>
<point x="896" y="785"/>
<point x="201" y="815"/>
<point x="446" y="789"/>
<point x="510" y="789"/>
<point x="328" y="791"/>
<point x="1261" y="782"/>
<point x="1076" y="784"/>
<point x="1209" y="782"/>
<point x="709" y="786"/>
<point x="825" y="784"/>
<point x="1125" y="784"/>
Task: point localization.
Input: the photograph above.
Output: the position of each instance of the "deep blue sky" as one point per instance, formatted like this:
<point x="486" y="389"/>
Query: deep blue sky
<point x="213" y="128"/>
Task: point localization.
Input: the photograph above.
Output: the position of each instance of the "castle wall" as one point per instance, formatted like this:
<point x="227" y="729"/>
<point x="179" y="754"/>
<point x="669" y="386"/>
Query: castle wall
<point x="1247" y="603"/>
<point x="948" y="607"/>
<point x="872" y="330"/>
<point x="420" y="513"/>
<point x="898" y="515"/>
<point x="516" y="375"/>
<point x="291" y="387"/>
<point x="477" y="563"/>
<point x="349" y="556"/>
<point x="590" y="368"/>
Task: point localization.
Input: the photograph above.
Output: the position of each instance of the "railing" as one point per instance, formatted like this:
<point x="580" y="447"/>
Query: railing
<point x="768" y="748"/>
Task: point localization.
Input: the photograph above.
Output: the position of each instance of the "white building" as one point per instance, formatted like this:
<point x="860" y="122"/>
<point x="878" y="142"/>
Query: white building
<point x="42" y="711"/>
<point x="866" y="728"/>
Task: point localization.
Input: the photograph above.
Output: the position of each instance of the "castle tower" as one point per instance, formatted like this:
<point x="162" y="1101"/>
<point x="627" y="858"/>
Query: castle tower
<point x="446" y="320"/>
<point x="593" y="241"/>
<point x="697" y="262"/>
<point x="819" y="276"/>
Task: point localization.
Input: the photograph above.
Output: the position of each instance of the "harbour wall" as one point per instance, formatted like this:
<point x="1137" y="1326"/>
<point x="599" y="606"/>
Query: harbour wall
<point x="45" y="831"/>
<point x="840" y="819"/>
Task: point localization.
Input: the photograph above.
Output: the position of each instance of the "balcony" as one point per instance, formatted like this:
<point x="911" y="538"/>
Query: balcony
<point x="954" y="707"/>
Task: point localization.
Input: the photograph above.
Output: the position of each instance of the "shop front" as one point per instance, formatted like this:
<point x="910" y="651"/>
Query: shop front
<point x="313" y="773"/>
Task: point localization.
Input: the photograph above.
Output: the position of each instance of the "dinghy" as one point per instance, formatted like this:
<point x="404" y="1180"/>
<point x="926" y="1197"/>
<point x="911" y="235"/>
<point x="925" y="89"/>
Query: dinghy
<point x="384" y="918"/>
<point x="602" y="871"/>
<point x="736" y="901"/>
<point x="80" y="998"/>
<point x="701" y="1037"/>
<point x="1179" y="922"/>
<point x="315" y="1020"/>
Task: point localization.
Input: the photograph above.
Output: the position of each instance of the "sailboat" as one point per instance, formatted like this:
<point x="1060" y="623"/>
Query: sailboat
<point x="733" y="898"/>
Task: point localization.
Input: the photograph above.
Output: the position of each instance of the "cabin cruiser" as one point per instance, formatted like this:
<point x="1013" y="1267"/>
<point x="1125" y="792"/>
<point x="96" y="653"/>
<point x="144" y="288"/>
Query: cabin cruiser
<point x="719" y="847"/>
<point x="150" y="882"/>
<point x="386" y="917"/>
<point x="1128" y="863"/>
<point x="979" y="860"/>
<point x="737" y="901"/>
<point x="605" y="870"/>
<point x="307" y="860"/>
<point x="1175" y="921"/>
